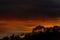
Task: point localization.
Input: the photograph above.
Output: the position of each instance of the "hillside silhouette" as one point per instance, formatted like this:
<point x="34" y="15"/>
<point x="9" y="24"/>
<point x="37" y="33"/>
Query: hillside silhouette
<point x="38" y="33"/>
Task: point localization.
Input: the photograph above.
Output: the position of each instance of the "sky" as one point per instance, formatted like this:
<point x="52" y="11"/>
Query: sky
<point x="23" y="15"/>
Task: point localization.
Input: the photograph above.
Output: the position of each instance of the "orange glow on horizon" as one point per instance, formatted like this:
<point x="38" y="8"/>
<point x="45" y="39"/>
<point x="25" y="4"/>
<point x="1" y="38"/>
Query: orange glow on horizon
<point x="7" y="25"/>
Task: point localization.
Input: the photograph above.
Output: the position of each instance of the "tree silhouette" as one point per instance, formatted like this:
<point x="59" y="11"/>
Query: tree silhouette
<point x="56" y="28"/>
<point x="17" y="37"/>
<point x="12" y="37"/>
<point x="6" y="38"/>
<point x="39" y="29"/>
<point x="49" y="29"/>
<point x="38" y="33"/>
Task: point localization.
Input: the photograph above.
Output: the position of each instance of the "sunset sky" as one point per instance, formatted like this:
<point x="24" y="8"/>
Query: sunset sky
<point x="23" y="15"/>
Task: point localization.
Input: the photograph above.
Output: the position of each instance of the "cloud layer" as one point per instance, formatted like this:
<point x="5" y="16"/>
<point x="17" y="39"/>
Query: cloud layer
<point x="29" y="8"/>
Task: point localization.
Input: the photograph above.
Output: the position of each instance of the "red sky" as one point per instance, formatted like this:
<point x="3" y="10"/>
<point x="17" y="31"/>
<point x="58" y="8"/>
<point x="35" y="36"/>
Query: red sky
<point x="14" y="25"/>
<point x="7" y="25"/>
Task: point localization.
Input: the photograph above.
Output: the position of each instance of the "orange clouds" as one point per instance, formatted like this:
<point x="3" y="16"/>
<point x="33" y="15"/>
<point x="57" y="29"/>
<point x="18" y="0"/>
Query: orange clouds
<point x="14" y="25"/>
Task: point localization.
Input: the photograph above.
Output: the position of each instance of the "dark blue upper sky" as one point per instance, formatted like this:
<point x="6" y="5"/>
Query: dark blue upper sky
<point x="29" y="8"/>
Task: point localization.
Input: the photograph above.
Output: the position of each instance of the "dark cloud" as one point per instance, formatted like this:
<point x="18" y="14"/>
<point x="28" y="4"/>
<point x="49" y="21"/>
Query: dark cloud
<point x="29" y="8"/>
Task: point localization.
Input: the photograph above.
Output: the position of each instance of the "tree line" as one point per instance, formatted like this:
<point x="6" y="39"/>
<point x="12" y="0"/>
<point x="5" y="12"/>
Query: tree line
<point x="38" y="33"/>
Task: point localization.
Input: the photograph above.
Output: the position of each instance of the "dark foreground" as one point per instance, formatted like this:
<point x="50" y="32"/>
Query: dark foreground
<point x="38" y="33"/>
<point x="37" y="36"/>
